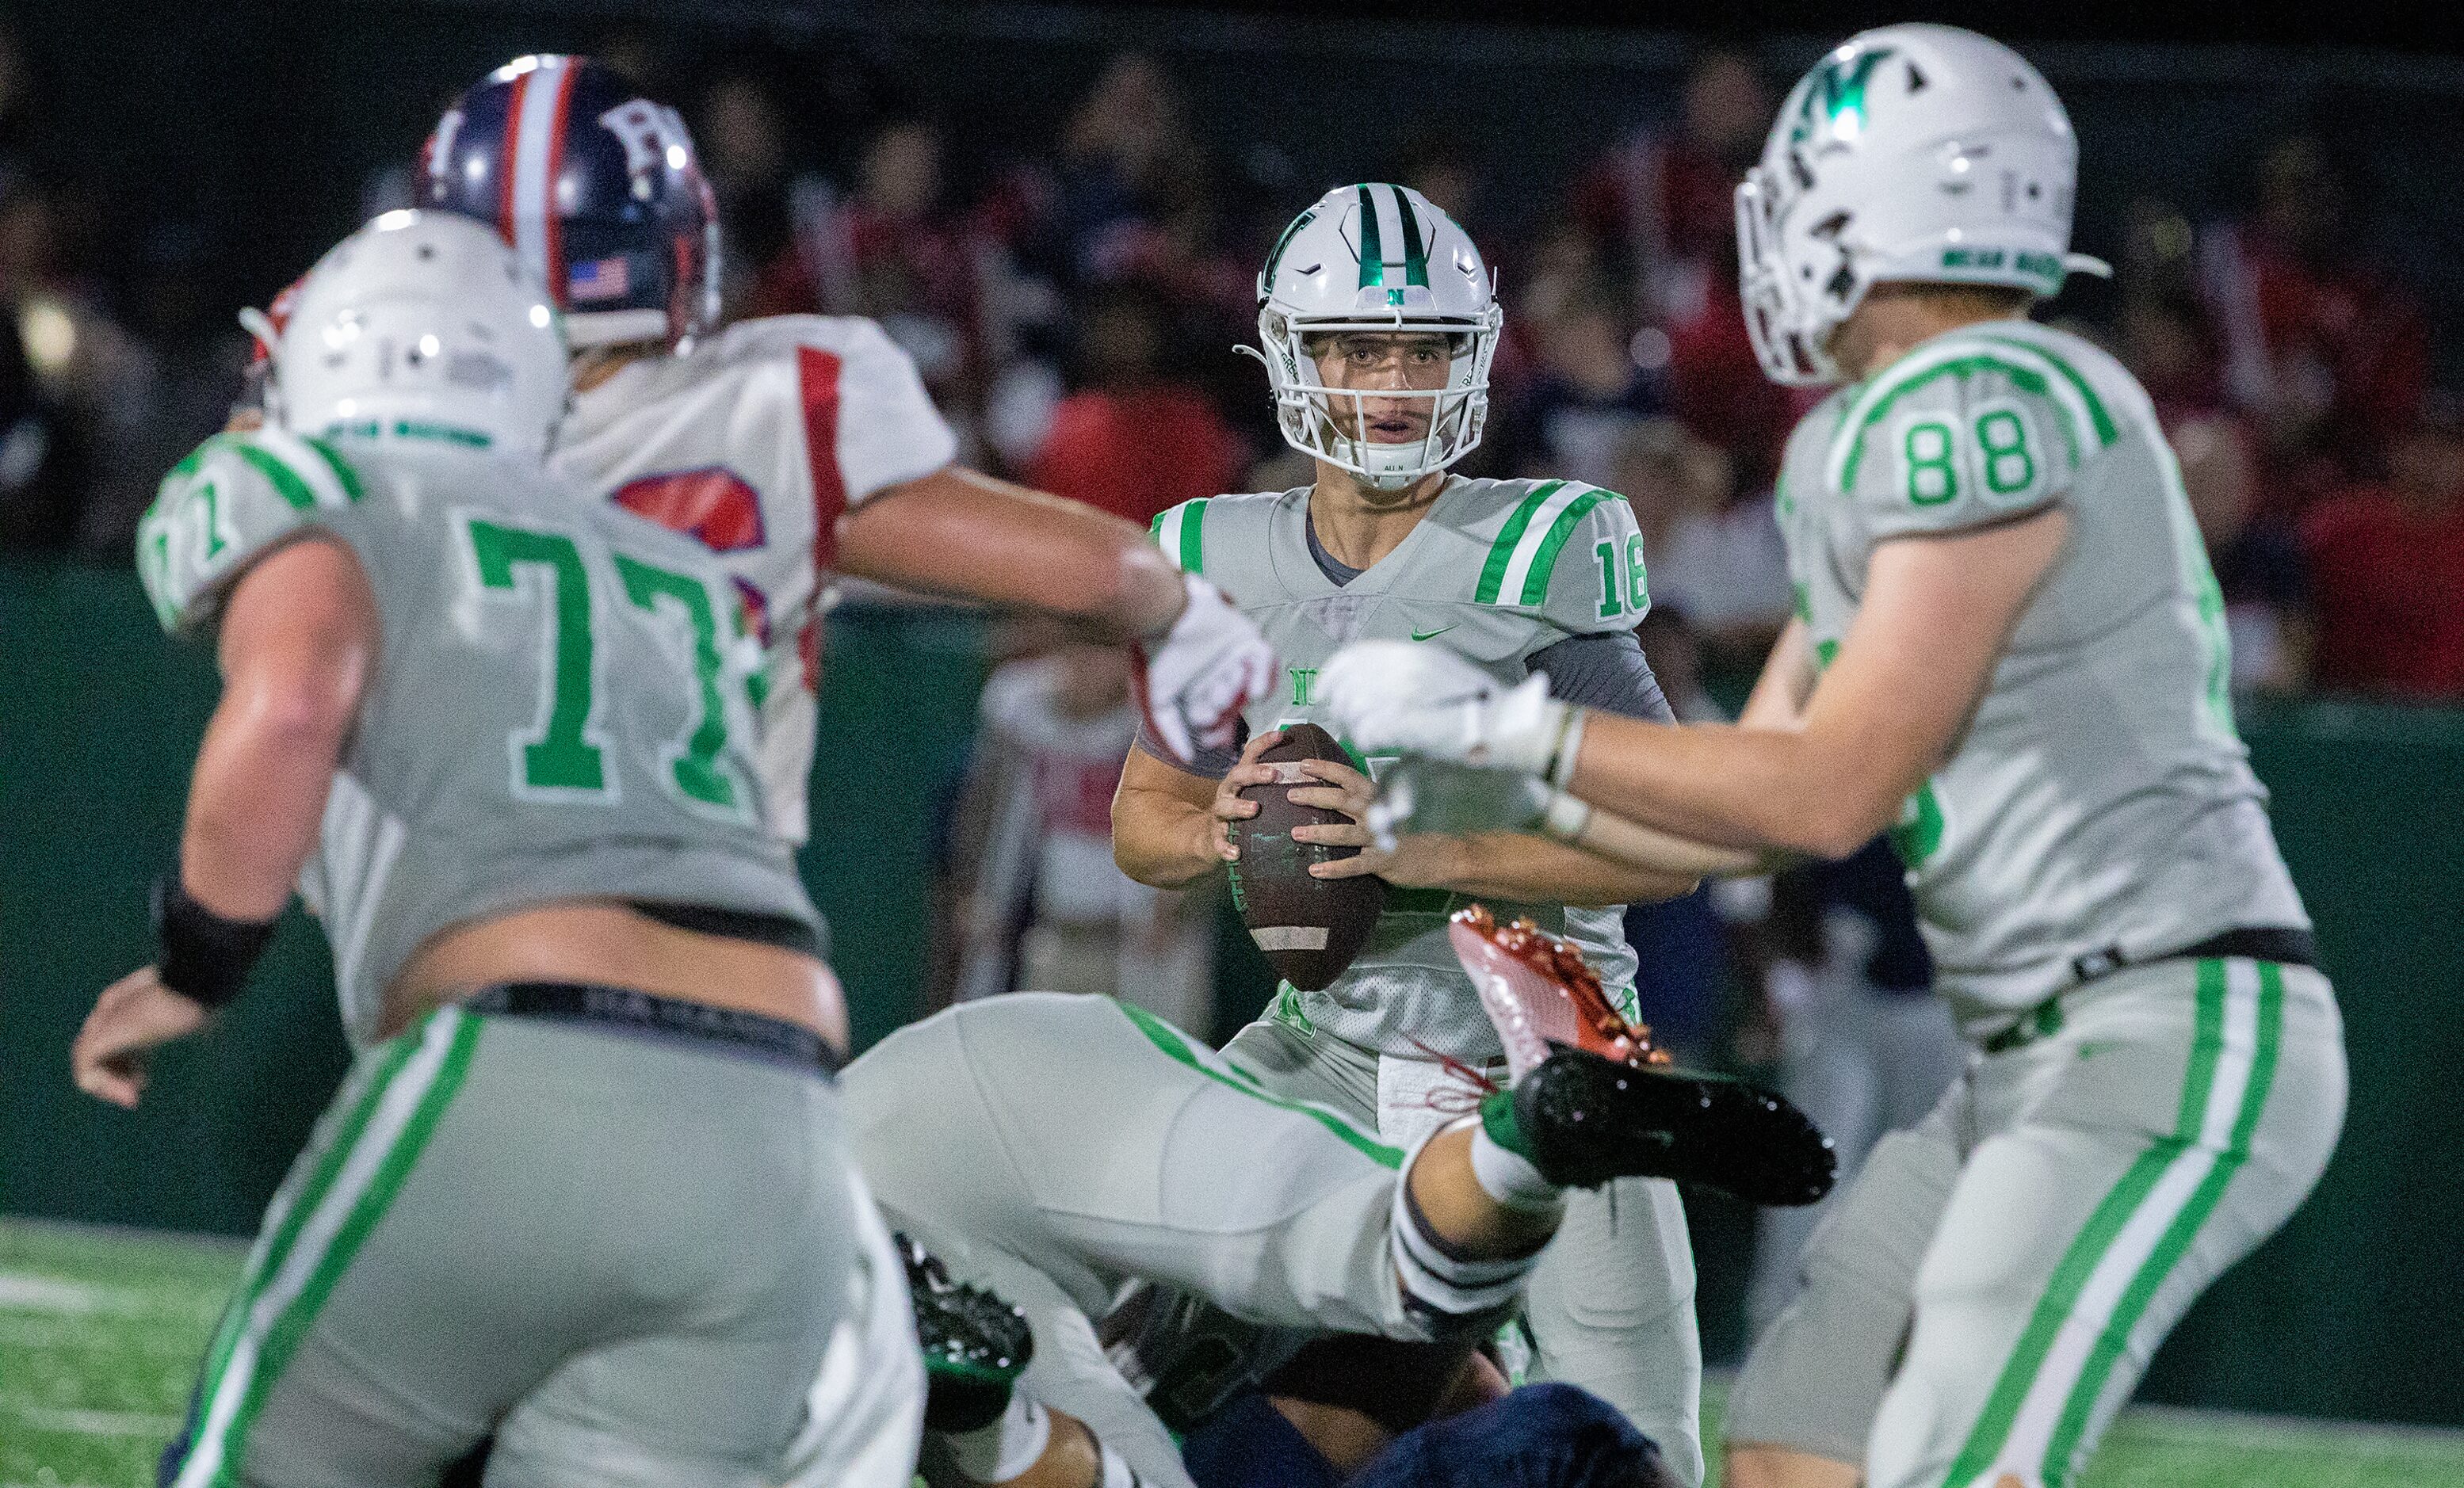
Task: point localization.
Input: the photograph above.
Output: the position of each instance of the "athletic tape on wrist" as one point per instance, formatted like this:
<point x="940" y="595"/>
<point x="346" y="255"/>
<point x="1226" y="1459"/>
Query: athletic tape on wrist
<point x="1569" y="750"/>
<point x="200" y="955"/>
<point x="1565" y="818"/>
<point x="1008" y="1447"/>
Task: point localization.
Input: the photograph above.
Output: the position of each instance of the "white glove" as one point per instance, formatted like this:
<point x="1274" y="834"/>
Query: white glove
<point x="1193" y="682"/>
<point x="1394" y="697"/>
<point x="1456" y="800"/>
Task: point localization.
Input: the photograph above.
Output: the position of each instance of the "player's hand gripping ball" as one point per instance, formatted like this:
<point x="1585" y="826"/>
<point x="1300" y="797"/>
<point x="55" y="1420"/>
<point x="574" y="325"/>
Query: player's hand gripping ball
<point x="1309" y="928"/>
<point x="1193" y="681"/>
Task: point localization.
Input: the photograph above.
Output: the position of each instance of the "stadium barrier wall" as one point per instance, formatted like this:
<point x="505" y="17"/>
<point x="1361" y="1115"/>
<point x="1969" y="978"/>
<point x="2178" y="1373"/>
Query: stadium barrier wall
<point x="2350" y="1311"/>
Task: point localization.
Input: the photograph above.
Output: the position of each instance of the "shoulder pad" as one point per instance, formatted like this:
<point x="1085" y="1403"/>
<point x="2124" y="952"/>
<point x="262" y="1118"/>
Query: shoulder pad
<point x="235" y="499"/>
<point x="1968" y="429"/>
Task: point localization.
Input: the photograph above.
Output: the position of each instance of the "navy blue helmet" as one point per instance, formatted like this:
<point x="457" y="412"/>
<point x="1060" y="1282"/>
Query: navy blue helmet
<point x="597" y="187"/>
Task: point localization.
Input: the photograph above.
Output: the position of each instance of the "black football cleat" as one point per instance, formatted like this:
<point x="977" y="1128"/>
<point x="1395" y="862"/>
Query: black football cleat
<point x="1582" y="1120"/>
<point x="975" y="1344"/>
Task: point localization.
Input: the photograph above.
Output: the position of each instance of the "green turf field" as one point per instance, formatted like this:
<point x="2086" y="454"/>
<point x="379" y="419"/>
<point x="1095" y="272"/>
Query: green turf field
<point x="101" y="1331"/>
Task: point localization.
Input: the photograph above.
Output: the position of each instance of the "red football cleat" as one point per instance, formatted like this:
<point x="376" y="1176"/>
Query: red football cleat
<point x="1541" y="993"/>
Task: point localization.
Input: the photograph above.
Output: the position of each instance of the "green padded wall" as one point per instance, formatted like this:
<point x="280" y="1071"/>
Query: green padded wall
<point x="2352" y="1310"/>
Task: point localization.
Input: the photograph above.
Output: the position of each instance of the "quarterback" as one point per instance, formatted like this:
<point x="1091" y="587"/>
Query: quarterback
<point x="1374" y="292"/>
<point x="2010" y="649"/>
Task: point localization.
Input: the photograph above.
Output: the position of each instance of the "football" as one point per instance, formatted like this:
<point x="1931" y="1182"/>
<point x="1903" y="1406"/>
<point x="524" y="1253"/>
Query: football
<point x="1308" y="928"/>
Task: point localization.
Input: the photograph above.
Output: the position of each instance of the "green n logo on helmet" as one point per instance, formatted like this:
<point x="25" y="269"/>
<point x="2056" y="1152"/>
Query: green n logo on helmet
<point x="1373" y="246"/>
<point x="1832" y="105"/>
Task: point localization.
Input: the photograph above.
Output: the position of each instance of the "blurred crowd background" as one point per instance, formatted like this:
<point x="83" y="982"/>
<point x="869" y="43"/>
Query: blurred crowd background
<point x="1072" y="293"/>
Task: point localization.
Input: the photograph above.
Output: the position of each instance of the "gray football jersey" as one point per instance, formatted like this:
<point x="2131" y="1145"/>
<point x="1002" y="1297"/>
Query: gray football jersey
<point x="1495" y="572"/>
<point x="2099" y="799"/>
<point x="559" y="708"/>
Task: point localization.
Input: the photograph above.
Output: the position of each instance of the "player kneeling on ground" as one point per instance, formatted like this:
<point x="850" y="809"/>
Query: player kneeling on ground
<point x="2009" y="640"/>
<point x="504" y="748"/>
<point x="1053" y="1146"/>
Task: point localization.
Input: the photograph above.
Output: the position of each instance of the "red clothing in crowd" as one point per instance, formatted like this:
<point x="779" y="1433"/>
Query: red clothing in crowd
<point x="2280" y="312"/>
<point x="1134" y="453"/>
<point x="2387" y="589"/>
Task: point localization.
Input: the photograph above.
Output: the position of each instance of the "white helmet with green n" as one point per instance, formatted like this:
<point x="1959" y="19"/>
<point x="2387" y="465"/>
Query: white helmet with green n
<point x="422" y="325"/>
<point x="1913" y="153"/>
<point x="1377" y="257"/>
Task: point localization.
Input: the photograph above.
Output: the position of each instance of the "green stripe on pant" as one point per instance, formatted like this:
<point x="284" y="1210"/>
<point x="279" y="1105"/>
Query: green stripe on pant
<point x="371" y="1157"/>
<point x="2050" y="1385"/>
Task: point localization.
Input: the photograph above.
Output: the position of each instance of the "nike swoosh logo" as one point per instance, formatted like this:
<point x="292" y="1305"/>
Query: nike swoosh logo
<point x="1431" y="635"/>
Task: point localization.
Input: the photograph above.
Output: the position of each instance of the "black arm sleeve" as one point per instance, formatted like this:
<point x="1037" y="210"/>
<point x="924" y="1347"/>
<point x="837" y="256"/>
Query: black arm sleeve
<point x="1604" y="671"/>
<point x="1213" y="763"/>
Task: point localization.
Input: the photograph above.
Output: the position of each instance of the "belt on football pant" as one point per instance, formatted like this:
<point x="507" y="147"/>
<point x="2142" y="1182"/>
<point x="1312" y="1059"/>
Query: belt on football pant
<point x="2278" y="943"/>
<point x="627" y="1010"/>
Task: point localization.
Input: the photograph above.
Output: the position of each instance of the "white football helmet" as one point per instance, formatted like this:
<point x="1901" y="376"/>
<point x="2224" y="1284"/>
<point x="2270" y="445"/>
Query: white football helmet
<point x="1377" y="257"/>
<point x="420" y="325"/>
<point x="1911" y="152"/>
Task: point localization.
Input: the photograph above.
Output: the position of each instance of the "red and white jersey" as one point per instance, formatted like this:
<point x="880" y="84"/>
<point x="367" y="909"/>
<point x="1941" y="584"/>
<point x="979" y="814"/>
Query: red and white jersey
<point x="753" y="443"/>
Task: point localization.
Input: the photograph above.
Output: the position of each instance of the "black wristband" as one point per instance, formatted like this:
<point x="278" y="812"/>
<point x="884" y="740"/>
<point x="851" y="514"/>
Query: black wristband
<point x="201" y="955"/>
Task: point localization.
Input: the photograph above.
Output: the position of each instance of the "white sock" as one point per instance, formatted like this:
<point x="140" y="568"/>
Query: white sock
<point x="1509" y="1177"/>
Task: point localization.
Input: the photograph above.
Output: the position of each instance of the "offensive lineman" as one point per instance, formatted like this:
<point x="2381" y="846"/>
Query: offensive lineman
<point x="510" y="748"/>
<point x="788" y="446"/>
<point x="1374" y="289"/>
<point x="2006" y="622"/>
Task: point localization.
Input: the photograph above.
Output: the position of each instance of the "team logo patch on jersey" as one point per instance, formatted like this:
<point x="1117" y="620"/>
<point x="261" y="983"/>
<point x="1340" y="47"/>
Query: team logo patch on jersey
<point x="711" y="505"/>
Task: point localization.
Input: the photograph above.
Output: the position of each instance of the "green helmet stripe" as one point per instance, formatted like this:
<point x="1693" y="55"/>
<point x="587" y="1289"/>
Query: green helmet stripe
<point x="1373" y="247"/>
<point x="1416" y="258"/>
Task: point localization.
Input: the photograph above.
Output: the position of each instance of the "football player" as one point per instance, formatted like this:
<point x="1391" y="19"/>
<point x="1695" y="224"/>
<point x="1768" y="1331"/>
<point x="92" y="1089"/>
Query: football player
<point x="2010" y="649"/>
<point x="505" y="749"/>
<point x="793" y="448"/>
<point x="1076" y="1143"/>
<point x="1376" y="324"/>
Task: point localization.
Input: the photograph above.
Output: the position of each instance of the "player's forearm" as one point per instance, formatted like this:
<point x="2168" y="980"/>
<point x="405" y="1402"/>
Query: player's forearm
<point x="967" y="536"/>
<point x="257" y="797"/>
<point x="1160" y="840"/>
<point x="1756" y="789"/>
<point x="1515" y="865"/>
<point x="1787" y="679"/>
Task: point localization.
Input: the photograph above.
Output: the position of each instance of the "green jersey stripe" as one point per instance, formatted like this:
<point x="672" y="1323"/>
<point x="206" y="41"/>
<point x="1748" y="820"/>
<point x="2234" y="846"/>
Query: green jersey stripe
<point x="343" y="476"/>
<point x="1535" y="583"/>
<point x="1501" y="553"/>
<point x="1373" y="247"/>
<point x="316" y="470"/>
<point x="1163" y="1035"/>
<point x="356" y="1169"/>
<point x="2072" y="1427"/>
<point x="2101" y="421"/>
<point x="1416" y="258"/>
<point x="1874" y="407"/>
<point x="286" y="481"/>
<point x="1181" y="533"/>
